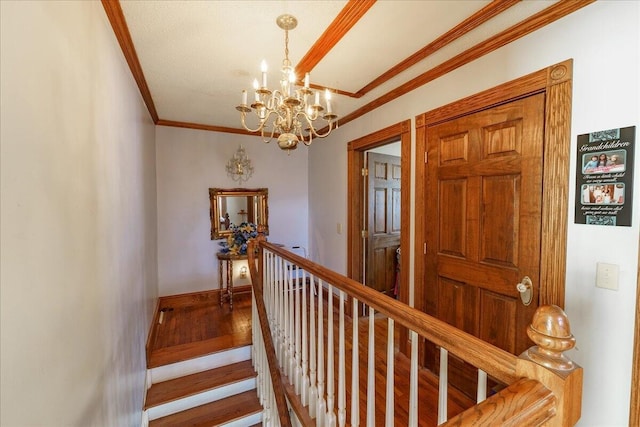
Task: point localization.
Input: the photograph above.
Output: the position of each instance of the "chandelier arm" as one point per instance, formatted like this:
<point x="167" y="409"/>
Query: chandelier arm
<point x="244" y="124"/>
<point x="324" y="135"/>
<point x="274" y="100"/>
<point x="303" y="139"/>
<point x="267" y="140"/>
<point x="260" y="127"/>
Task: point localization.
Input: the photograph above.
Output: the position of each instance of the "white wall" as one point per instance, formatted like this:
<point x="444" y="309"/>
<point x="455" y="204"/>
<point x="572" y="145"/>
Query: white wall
<point x="603" y="40"/>
<point x="78" y="222"/>
<point x="189" y="162"/>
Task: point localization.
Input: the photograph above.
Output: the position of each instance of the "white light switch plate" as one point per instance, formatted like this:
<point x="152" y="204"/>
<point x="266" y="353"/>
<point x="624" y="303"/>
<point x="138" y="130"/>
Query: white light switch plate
<point x="607" y="276"/>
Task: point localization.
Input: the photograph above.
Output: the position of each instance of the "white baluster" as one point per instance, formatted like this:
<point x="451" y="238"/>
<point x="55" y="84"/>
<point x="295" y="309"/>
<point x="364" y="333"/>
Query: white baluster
<point x="287" y="322"/>
<point x="304" y="395"/>
<point x="264" y="382"/>
<point x="442" y="385"/>
<point x="273" y="299"/>
<point x="371" y="371"/>
<point x="389" y="414"/>
<point x="298" y="338"/>
<point x="413" y="381"/>
<point x="322" y="405"/>
<point x="276" y="308"/>
<point x="266" y="405"/>
<point x="331" y="416"/>
<point x="342" y="381"/>
<point x="267" y="286"/>
<point x="257" y="347"/>
<point x="313" y="389"/>
<point x="265" y="385"/>
<point x="355" y="368"/>
<point x="482" y="386"/>
<point x="292" y="332"/>
<point x="283" y="316"/>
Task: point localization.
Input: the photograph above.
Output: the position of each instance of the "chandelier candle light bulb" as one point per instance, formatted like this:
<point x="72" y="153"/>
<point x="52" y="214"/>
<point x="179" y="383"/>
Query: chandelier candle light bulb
<point x="255" y="87"/>
<point x="263" y="68"/>
<point x="286" y="113"/>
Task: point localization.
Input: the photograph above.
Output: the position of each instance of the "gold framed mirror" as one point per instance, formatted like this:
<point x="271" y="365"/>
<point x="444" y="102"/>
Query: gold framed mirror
<point x="229" y="206"/>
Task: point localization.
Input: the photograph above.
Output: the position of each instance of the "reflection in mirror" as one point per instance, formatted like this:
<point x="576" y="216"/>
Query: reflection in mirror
<point x="235" y="206"/>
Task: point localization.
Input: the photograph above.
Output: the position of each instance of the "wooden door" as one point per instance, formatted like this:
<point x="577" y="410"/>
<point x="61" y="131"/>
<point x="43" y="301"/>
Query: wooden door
<point x="483" y="224"/>
<point x="383" y="221"/>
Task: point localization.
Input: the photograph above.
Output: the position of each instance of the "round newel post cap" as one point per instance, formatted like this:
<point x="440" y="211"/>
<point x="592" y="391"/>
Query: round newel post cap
<point x="551" y="332"/>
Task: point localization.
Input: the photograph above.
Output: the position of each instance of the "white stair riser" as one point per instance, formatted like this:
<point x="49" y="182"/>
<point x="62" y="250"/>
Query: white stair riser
<point x="200" y="399"/>
<point x="247" y="421"/>
<point x="192" y="366"/>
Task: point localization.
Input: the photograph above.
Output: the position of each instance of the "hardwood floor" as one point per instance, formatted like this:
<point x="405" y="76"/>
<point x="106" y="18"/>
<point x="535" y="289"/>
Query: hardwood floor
<point x="190" y="330"/>
<point x="194" y="327"/>
<point x="427" y="381"/>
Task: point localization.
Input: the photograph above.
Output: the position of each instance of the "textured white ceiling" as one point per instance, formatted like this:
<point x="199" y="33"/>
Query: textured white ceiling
<point x="197" y="56"/>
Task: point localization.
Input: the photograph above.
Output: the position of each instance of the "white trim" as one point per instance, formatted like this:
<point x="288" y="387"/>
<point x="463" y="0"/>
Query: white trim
<point x="192" y="366"/>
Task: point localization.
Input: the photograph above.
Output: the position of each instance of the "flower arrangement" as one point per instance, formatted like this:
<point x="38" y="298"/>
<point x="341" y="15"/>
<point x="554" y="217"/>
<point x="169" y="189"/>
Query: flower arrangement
<point x="236" y="243"/>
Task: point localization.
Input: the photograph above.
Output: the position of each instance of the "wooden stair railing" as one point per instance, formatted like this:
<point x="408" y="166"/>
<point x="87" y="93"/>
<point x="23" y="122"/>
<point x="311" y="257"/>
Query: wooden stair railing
<point x="542" y="386"/>
<point x="271" y="387"/>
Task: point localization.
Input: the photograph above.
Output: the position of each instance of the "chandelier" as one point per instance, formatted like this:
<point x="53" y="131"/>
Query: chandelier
<point x="239" y="166"/>
<point x="288" y="112"/>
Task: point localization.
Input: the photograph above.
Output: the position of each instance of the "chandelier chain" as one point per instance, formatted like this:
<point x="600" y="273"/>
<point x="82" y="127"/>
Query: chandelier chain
<point x="286" y="46"/>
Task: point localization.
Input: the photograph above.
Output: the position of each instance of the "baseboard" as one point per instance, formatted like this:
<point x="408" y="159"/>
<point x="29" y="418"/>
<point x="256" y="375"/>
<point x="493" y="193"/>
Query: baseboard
<point x="151" y="336"/>
<point x="144" y="422"/>
<point x="190" y="299"/>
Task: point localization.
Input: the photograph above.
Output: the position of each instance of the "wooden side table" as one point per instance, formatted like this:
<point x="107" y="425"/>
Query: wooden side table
<point x="226" y="287"/>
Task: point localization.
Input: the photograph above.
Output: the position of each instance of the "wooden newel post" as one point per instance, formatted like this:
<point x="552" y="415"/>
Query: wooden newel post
<point x="546" y="363"/>
<point x="255" y="268"/>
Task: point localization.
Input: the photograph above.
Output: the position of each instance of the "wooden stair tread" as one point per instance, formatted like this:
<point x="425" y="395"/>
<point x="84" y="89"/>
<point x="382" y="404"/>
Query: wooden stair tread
<point x="215" y="413"/>
<point x="182" y="352"/>
<point x="189" y="385"/>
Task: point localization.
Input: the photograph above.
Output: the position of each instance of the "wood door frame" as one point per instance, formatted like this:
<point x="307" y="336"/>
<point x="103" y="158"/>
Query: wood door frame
<point x="355" y="189"/>
<point x="556" y="83"/>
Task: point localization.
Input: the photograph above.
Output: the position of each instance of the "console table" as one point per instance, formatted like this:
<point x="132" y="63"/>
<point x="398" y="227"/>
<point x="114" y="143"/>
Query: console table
<point x="225" y="261"/>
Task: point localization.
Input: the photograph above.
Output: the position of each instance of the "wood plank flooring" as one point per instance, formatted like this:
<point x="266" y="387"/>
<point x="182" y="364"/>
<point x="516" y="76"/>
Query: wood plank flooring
<point x="198" y="328"/>
<point x="427" y="381"/>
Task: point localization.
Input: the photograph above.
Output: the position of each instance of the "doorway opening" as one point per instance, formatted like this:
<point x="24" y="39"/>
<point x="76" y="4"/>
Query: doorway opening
<point x="356" y="150"/>
<point x="381" y="216"/>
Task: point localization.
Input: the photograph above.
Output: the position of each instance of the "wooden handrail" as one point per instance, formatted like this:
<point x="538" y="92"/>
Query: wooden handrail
<point x="496" y="362"/>
<point x="523" y="403"/>
<point x="274" y="370"/>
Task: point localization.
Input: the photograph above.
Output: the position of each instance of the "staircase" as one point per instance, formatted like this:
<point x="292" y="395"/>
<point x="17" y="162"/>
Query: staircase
<point x="216" y="387"/>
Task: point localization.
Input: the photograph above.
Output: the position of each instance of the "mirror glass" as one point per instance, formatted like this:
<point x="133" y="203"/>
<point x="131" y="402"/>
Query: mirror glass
<point x="235" y="206"/>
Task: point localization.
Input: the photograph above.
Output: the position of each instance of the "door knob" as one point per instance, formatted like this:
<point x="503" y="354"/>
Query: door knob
<point x="525" y="288"/>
